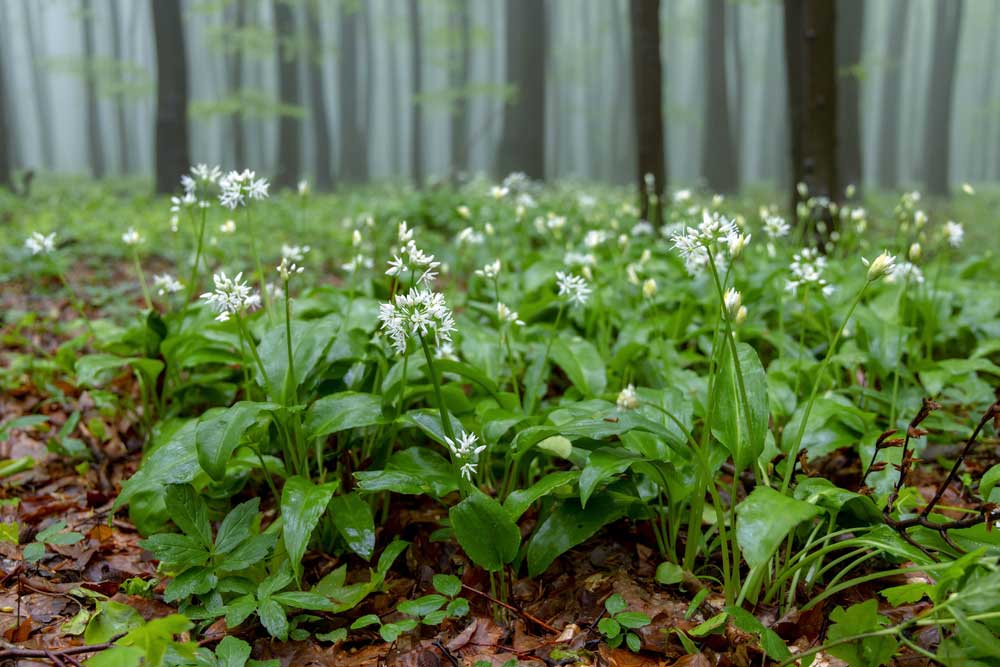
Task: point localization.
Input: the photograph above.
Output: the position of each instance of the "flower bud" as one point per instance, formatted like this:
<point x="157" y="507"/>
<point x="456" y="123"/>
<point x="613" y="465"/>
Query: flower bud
<point x="915" y="252"/>
<point x="881" y="266"/>
<point x="649" y="288"/>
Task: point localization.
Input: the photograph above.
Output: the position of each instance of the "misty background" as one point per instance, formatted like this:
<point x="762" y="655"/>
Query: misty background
<point x="80" y="80"/>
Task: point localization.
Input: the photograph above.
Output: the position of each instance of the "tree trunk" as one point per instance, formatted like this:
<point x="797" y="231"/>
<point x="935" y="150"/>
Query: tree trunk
<point x="986" y="149"/>
<point x="736" y="109"/>
<point x="121" y="124"/>
<point x="622" y="146"/>
<point x="235" y="67"/>
<point x="39" y="84"/>
<point x="353" y="151"/>
<point x="321" y="123"/>
<point x="850" y="36"/>
<point x="647" y="87"/>
<point x="95" y="143"/>
<point x="522" y="145"/>
<point x="461" y="27"/>
<point x="810" y="56"/>
<point x="287" y="171"/>
<point x="937" y="137"/>
<point x="416" y="84"/>
<point x="6" y="175"/>
<point x="887" y="157"/>
<point x="395" y="106"/>
<point x="719" y="157"/>
<point x="172" y="151"/>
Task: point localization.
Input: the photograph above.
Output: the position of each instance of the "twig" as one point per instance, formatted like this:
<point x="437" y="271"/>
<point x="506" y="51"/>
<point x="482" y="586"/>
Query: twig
<point x="520" y="612"/>
<point x="57" y="653"/>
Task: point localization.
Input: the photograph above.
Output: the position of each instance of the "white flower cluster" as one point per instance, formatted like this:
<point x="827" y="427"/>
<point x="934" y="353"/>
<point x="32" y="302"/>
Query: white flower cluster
<point x="714" y="231"/>
<point x="465" y="450"/>
<point x="573" y="287"/>
<point x="907" y="272"/>
<point x="732" y="304"/>
<point x="231" y="296"/>
<point x="288" y="268"/>
<point x="131" y="237"/>
<point x="490" y="271"/>
<point x="627" y="398"/>
<point x="294" y="253"/>
<point x="166" y="284"/>
<point x="238" y="186"/>
<point x="200" y="174"/>
<point x="419" y="312"/>
<point x="807" y="269"/>
<point x="506" y="315"/>
<point x="775" y="226"/>
<point x="414" y="261"/>
<point x="40" y="244"/>
<point x="954" y="233"/>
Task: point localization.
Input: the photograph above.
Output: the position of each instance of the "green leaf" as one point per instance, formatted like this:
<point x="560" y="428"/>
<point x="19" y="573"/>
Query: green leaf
<point x="568" y="526"/>
<point x="304" y="600"/>
<point x="173" y="461"/>
<point x="156" y="636"/>
<point x="743" y="445"/>
<point x="239" y="610"/>
<point x="193" y="581"/>
<point x="390" y="632"/>
<point x="824" y="493"/>
<point x="632" y="619"/>
<point x="219" y="431"/>
<point x="764" y="518"/>
<point x="232" y="652"/>
<point x="609" y="627"/>
<point x="582" y="364"/>
<point x="989" y="481"/>
<point x="110" y="620"/>
<point x="422" y="605"/>
<point x="709" y="626"/>
<point x="354" y="521"/>
<point x="860" y="619"/>
<point x="175" y="550"/>
<point x="519" y="501"/>
<point x="95" y="370"/>
<point x="773" y="645"/>
<point x="447" y="584"/>
<point x="669" y="573"/>
<point x="485" y="531"/>
<point x="310" y="341"/>
<point x="976" y="634"/>
<point x="273" y="618"/>
<point x="615" y="604"/>
<point x="390" y="554"/>
<point x="412" y="471"/>
<point x="457" y="607"/>
<point x="334" y="636"/>
<point x="603" y="464"/>
<point x="302" y="505"/>
<point x="339" y="412"/>
<point x="33" y="552"/>
<point x="235" y="528"/>
<point x="365" y="621"/>
<point x="633" y="642"/>
<point x="248" y="553"/>
<point x="188" y="510"/>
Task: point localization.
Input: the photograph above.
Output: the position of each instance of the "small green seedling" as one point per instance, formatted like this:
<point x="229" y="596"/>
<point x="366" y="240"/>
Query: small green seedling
<point x="616" y="625"/>
<point x="34" y="551"/>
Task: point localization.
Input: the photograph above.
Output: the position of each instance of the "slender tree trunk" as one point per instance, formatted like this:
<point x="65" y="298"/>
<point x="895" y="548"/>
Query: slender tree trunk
<point x="395" y="107"/>
<point x="986" y="148"/>
<point x="320" y="121"/>
<point x="810" y="56"/>
<point x="621" y="110"/>
<point x="6" y="171"/>
<point x="647" y="87"/>
<point x="172" y="150"/>
<point x="887" y="157"/>
<point x="522" y="145"/>
<point x="121" y="125"/>
<point x="353" y="151"/>
<point x="461" y="27"/>
<point x="937" y="136"/>
<point x="367" y="119"/>
<point x="719" y="158"/>
<point x="39" y="83"/>
<point x="416" y="82"/>
<point x="289" y="127"/>
<point x="95" y="143"/>
<point x="850" y="36"/>
<point x="736" y="108"/>
<point x="235" y="66"/>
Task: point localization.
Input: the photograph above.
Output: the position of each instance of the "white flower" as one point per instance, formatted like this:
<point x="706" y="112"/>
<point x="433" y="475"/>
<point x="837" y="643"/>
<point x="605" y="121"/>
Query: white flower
<point x="356" y="238"/>
<point x="595" y="237"/>
<point x="295" y="253"/>
<point x="287" y="268"/>
<point x="414" y="261"/>
<point x="237" y="187"/>
<point x="490" y="271"/>
<point x="506" y="315"/>
<point x="642" y="228"/>
<point x="463" y="447"/>
<point x="231" y="296"/>
<point x="446" y="350"/>
<point x="649" y="288"/>
<point x="463" y="211"/>
<point x="737" y="242"/>
<point x="732" y="302"/>
<point x="404" y="233"/>
<point x="776" y="227"/>
<point x="499" y="192"/>
<point x="303" y="188"/>
<point x="915" y="252"/>
<point x="907" y="271"/>
<point x="573" y="287"/>
<point x="682" y="196"/>
<point x="807" y="269"/>
<point x="573" y="258"/>
<point x="627" y="398"/>
<point x="131" y="237"/>
<point x="359" y="261"/>
<point x="954" y="233"/>
<point x="881" y="266"/>
<point x="228" y="227"/>
<point x="40" y="244"/>
<point x="166" y="284"/>
<point x="418" y="312"/>
<point x="967" y="189"/>
<point x="919" y="219"/>
<point x="188" y="200"/>
<point x="470" y="236"/>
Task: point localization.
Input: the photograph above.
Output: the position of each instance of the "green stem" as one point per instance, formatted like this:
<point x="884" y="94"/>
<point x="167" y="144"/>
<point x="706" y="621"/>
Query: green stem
<point x="445" y="419"/>
<point x="142" y="279"/>
<point x="193" y="279"/>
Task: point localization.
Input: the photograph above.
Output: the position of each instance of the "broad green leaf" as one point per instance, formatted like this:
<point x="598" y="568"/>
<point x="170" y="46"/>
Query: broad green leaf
<point x="156" y="636"/>
<point x="603" y="464"/>
<point x="310" y="341"/>
<point x="390" y="554"/>
<point x="615" y="604"/>
<point x="251" y="552"/>
<point x="422" y="605"/>
<point x="609" y="627"/>
<point x="824" y="493"/>
<point x="412" y="471"/>
<point x="859" y="619"/>
<point x="467" y="371"/>
<point x="302" y="505"/>
<point x="669" y="573"/>
<point x="447" y="584"/>
<point x="568" y="526"/>
<point x="632" y="619"/>
<point x="219" y="431"/>
<point x="273" y="618"/>
<point x="764" y="518"/>
<point x="232" y="652"/>
<point x="354" y="521"/>
<point x="110" y="620"/>
<point x="175" y="550"/>
<point x="485" y="531"/>
<point x="339" y="412"/>
<point x="429" y="421"/>
<point x="744" y="444"/>
<point x="172" y="461"/>
<point x="188" y="510"/>
<point x="519" y="501"/>
<point x="235" y="528"/>
<point x="192" y="581"/>
<point x="582" y="363"/>
<point x="95" y="370"/>
<point x="988" y="482"/>
<point x="773" y="645"/>
<point x="304" y="600"/>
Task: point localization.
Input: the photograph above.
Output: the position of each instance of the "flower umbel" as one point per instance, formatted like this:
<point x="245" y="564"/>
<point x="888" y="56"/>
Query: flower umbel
<point x="418" y="312"/>
<point x="573" y="287"/>
<point x="166" y="284"/>
<point x="463" y="447"/>
<point x="40" y="244"/>
<point x="231" y="296"/>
